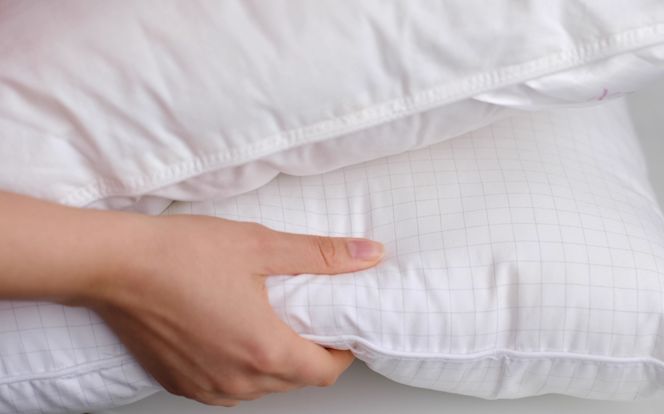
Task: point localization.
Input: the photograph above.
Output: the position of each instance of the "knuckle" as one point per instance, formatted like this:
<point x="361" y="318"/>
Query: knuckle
<point x="266" y="360"/>
<point x="326" y="250"/>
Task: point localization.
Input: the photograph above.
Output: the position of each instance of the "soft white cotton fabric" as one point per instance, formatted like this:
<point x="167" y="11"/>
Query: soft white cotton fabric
<point x="132" y="104"/>
<point x="521" y="259"/>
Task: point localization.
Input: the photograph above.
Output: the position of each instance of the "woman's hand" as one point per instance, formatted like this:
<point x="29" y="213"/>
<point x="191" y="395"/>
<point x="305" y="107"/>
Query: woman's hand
<point x="185" y="294"/>
<point x="193" y="308"/>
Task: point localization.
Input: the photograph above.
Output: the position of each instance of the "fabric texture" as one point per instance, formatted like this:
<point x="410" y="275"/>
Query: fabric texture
<point x="524" y="258"/>
<point x="128" y="105"/>
<point x="521" y="259"/>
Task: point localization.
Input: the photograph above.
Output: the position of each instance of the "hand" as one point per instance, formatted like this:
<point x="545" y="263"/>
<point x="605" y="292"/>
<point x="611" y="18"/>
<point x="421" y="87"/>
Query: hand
<point x="192" y="306"/>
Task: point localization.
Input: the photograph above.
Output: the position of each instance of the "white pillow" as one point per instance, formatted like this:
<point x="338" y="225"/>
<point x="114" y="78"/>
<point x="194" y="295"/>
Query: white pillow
<point x="133" y="104"/>
<point x="524" y="258"/>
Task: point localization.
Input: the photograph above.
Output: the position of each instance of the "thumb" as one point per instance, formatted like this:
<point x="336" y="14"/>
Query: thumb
<point x="292" y="254"/>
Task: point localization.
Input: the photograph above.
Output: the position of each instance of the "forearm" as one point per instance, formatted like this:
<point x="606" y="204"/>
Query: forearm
<point x="58" y="253"/>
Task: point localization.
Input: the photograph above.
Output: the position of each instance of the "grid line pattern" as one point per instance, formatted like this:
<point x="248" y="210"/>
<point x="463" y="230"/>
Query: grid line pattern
<point x="524" y="258"/>
<point x="537" y="235"/>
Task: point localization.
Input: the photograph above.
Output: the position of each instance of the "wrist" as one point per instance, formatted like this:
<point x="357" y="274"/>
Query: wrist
<point x="67" y="255"/>
<point x="116" y="251"/>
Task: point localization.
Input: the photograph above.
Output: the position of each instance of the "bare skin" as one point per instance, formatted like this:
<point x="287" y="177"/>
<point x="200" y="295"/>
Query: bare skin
<point x="172" y="284"/>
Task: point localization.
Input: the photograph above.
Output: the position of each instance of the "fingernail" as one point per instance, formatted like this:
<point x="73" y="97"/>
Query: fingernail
<point x="365" y="250"/>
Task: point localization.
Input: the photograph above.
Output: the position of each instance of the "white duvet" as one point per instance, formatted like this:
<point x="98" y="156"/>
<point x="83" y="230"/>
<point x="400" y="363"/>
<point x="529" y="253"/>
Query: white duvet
<point x="133" y="104"/>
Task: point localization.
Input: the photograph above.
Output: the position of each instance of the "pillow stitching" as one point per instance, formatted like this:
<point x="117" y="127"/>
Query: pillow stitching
<point x="99" y="366"/>
<point x="72" y="371"/>
<point x="377" y="114"/>
<point x="342" y="340"/>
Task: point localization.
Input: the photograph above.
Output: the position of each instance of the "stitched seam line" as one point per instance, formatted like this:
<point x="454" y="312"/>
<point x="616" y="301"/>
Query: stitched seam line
<point x="344" y="340"/>
<point x="71" y="372"/>
<point x="380" y="113"/>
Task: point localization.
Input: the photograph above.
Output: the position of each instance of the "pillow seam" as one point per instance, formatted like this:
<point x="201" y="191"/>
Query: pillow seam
<point x="72" y="371"/>
<point x="377" y="114"/>
<point x="367" y="348"/>
<point x="115" y="362"/>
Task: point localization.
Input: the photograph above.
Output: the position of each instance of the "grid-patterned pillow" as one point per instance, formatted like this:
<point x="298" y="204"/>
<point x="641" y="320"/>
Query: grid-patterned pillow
<point x="524" y="258"/>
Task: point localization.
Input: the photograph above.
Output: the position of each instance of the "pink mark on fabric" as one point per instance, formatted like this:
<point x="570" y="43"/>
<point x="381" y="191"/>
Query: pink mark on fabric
<point x="604" y="95"/>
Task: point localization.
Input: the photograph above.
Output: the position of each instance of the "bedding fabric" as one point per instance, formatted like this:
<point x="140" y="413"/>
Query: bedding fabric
<point x="128" y="105"/>
<point x="522" y="259"/>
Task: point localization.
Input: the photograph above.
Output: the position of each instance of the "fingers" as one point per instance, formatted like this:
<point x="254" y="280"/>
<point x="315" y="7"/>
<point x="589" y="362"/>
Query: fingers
<point x="342" y="360"/>
<point x="292" y="254"/>
<point x="320" y="366"/>
<point x="312" y="364"/>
